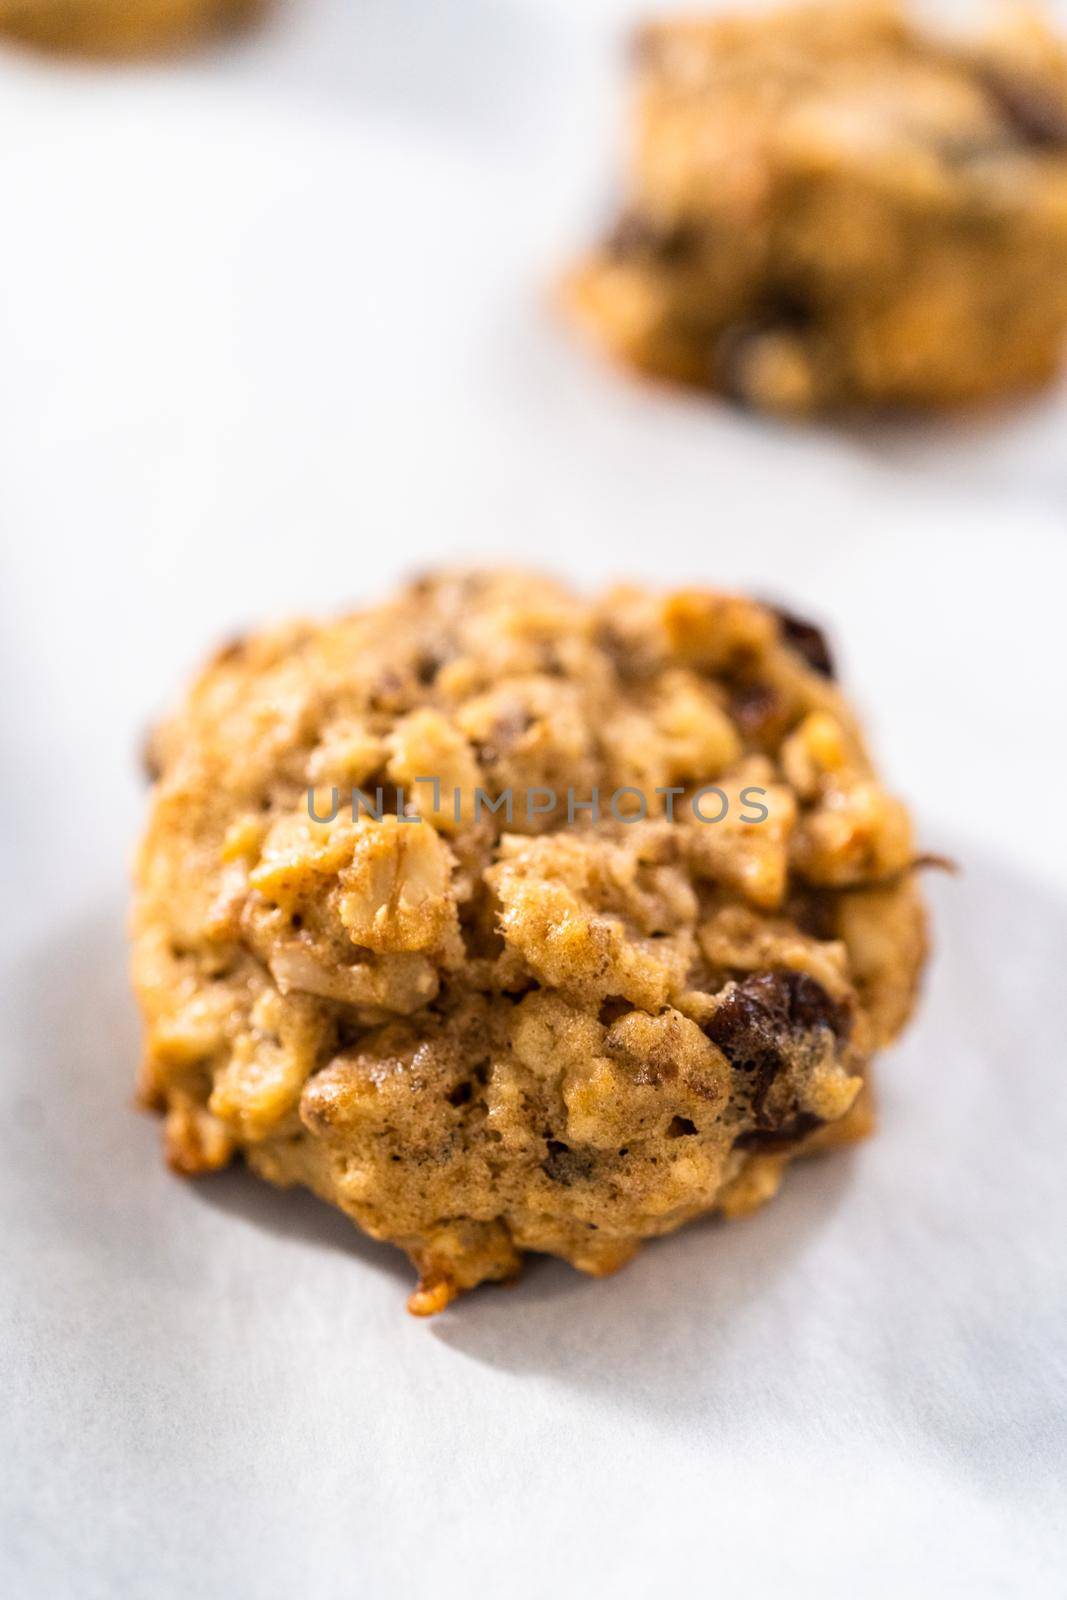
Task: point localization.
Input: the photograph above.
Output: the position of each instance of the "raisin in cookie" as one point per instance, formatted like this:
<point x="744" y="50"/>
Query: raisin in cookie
<point x="120" y="27"/>
<point x="828" y="208"/>
<point x="507" y="920"/>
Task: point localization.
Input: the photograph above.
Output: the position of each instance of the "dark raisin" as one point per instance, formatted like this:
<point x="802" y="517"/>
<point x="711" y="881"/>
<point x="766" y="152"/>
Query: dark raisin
<point x="639" y="238"/>
<point x="807" y="640"/>
<point x="751" y="1027"/>
<point x="765" y="1014"/>
<point x="757" y="708"/>
<point x="376" y="797"/>
<point x="778" y="1138"/>
<point x="787" y="309"/>
<point x="428" y="664"/>
<point x="566" y="1166"/>
<point x="1035" y="112"/>
<point x="816" y="912"/>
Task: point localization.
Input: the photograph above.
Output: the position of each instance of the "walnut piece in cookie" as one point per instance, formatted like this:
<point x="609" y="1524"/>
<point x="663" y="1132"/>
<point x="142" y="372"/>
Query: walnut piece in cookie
<point x="829" y="207"/>
<point x="548" y="1022"/>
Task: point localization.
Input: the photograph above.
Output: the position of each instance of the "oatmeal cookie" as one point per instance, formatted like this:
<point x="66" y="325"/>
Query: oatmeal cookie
<point x="829" y="208"/>
<point x="507" y="920"/>
<point x="120" y="27"/>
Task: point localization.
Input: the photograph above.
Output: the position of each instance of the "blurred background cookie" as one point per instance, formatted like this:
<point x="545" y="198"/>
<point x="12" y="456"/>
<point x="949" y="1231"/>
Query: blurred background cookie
<point x="121" y="27"/>
<point x="829" y="207"/>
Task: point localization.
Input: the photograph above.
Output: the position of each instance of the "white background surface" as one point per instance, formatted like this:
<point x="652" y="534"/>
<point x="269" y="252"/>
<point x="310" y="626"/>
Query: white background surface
<point x="273" y="329"/>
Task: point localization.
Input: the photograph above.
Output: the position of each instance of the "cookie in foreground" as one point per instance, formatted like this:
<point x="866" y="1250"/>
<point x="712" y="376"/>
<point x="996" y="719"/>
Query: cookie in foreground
<point x="508" y="920"/>
<point x="121" y="27"/>
<point x="829" y="208"/>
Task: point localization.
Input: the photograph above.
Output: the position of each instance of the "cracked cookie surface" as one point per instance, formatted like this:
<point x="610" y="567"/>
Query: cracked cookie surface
<point x="830" y="208"/>
<point x="567" y="1030"/>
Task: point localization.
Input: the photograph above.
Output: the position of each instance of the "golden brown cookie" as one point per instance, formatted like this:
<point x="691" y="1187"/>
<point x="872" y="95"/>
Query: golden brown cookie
<point x="121" y="27"/>
<point x="508" y="920"/>
<point x="830" y="208"/>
